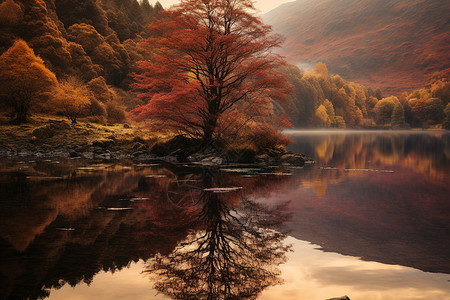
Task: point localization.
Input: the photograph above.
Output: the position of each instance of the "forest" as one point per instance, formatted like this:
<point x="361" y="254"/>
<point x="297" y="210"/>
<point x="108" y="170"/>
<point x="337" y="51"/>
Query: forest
<point x="323" y="100"/>
<point x="77" y="59"/>
<point x="71" y="58"/>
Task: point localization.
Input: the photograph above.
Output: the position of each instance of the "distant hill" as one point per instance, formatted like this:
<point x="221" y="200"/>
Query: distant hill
<point x="392" y="44"/>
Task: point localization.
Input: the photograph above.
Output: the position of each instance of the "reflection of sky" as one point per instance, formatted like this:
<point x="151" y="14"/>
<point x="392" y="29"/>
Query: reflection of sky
<point x="314" y="274"/>
<point x="127" y="284"/>
<point x="397" y="218"/>
<point x="309" y="272"/>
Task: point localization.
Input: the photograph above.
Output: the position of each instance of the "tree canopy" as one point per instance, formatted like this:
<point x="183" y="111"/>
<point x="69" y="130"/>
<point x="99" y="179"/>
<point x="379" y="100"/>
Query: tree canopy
<point x="24" y="79"/>
<point x="212" y="62"/>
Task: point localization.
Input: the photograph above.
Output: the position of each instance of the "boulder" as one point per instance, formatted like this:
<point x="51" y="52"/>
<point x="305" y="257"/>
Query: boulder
<point x="212" y="161"/>
<point x="50" y="130"/>
<point x="293" y="159"/>
<point x="73" y="154"/>
<point x="44" y="132"/>
<point x="59" y="125"/>
<point x="263" y="158"/>
<point x="178" y="145"/>
<point x="104" y="143"/>
<point x="104" y="156"/>
<point x="340" y="298"/>
<point x="243" y="154"/>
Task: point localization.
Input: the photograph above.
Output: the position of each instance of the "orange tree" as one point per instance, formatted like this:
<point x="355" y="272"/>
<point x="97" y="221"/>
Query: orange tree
<point x="72" y="98"/>
<point x="212" y="69"/>
<point x="24" y="80"/>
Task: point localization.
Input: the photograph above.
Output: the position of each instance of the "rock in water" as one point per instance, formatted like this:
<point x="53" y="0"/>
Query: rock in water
<point x="293" y="159"/>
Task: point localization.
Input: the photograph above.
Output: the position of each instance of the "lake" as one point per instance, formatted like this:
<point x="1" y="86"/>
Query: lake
<point x="370" y="220"/>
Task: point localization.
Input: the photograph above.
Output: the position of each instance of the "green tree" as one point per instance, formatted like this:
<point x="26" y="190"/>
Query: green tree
<point x="24" y="79"/>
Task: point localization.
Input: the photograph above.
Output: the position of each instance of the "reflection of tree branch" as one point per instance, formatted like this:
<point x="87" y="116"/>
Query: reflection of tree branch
<point x="234" y="255"/>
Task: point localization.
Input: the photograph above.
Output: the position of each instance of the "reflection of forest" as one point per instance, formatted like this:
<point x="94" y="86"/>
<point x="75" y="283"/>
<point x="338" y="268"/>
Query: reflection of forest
<point x="40" y="250"/>
<point x="396" y="218"/>
<point x="428" y="154"/>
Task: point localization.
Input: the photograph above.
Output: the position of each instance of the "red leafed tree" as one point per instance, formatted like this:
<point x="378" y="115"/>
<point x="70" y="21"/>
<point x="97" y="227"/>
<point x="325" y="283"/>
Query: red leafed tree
<point x="212" y="70"/>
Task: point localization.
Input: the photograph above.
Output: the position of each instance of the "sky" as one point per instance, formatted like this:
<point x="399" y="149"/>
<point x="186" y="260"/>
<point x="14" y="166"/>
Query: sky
<point x="262" y="5"/>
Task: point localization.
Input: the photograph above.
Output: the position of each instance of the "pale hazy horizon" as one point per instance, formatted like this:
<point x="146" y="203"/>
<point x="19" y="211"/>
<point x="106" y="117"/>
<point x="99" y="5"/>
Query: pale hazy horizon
<point x="262" y="5"/>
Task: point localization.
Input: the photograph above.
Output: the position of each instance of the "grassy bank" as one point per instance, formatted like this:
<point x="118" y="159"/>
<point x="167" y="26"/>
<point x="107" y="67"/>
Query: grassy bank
<point x="51" y="133"/>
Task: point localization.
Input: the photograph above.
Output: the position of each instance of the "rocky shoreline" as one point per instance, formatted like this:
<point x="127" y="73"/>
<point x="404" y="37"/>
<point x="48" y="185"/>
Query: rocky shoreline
<point x="58" y="139"/>
<point x="117" y="153"/>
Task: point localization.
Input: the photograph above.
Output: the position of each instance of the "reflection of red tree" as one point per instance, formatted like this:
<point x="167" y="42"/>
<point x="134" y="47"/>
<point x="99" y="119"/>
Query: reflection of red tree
<point x="232" y="251"/>
<point x="168" y="217"/>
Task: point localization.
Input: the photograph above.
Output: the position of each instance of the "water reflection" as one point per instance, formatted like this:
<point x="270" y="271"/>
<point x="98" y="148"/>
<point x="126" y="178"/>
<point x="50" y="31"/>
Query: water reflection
<point x="400" y="217"/>
<point x="233" y="253"/>
<point x="64" y="223"/>
<point x="424" y="152"/>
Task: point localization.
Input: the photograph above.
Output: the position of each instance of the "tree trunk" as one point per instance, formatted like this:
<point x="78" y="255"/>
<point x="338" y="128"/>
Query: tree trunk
<point x="21" y="108"/>
<point x="208" y="130"/>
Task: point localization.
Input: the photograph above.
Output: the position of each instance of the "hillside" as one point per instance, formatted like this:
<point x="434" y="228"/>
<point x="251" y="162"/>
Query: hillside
<point x="395" y="45"/>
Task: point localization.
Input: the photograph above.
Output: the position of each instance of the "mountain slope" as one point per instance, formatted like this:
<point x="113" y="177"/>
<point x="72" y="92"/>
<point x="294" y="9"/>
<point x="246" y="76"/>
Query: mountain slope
<point x="392" y="44"/>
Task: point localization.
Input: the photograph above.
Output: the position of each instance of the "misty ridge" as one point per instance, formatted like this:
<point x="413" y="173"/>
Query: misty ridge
<point x="394" y="45"/>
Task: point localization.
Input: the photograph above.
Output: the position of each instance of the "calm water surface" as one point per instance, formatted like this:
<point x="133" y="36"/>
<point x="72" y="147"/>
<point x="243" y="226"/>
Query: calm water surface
<point x="369" y="220"/>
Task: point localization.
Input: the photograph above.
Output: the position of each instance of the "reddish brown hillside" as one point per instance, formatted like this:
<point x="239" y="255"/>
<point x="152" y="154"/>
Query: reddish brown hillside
<point x="392" y="44"/>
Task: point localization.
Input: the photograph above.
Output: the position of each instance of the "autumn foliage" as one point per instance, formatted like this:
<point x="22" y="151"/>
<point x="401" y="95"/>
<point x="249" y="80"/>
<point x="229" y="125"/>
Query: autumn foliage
<point x="24" y="80"/>
<point x="426" y="106"/>
<point x="321" y="100"/>
<point x="206" y="71"/>
<point x="212" y="70"/>
<point x="72" y="98"/>
<point x="394" y="45"/>
<point x="85" y="40"/>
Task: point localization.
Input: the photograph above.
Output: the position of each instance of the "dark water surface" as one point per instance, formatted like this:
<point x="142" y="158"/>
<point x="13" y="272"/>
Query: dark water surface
<point x="371" y="220"/>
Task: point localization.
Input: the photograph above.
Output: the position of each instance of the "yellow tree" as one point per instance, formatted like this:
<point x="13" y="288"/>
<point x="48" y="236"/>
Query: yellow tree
<point x="24" y="80"/>
<point x="320" y="70"/>
<point x="72" y="98"/>
<point x="321" y="117"/>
